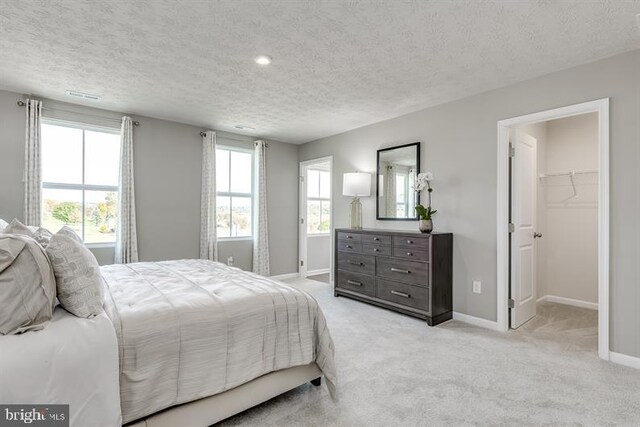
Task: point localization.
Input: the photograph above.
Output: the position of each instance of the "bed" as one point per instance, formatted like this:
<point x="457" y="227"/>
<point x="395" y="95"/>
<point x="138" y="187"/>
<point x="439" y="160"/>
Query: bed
<point x="189" y="342"/>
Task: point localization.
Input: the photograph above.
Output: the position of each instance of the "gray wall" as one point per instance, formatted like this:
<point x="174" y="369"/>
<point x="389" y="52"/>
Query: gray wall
<point x="167" y="176"/>
<point x="459" y="147"/>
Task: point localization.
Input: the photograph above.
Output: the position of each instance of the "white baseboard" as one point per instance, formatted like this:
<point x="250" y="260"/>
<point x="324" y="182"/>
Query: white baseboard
<point x="624" y="359"/>
<point x="286" y="276"/>
<point x="319" y="271"/>
<point x="569" y="301"/>
<point x="477" y="321"/>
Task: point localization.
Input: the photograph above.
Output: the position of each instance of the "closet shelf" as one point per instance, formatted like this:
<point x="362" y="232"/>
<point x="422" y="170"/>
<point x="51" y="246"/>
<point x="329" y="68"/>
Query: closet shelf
<point x="569" y="173"/>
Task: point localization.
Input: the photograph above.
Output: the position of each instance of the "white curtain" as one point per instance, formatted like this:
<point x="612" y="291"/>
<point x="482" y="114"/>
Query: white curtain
<point x="33" y="163"/>
<point x="126" y="237"/>
<point x="412" y="194"/>
<point x="390" y="191"/>
<point x="260" y="234"/>
<point x="208" y="236"/>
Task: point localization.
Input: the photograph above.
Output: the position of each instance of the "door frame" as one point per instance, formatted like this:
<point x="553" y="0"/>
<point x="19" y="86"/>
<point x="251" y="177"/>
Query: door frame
<point x="600" y="106"/>
<point x="302" y="226"/>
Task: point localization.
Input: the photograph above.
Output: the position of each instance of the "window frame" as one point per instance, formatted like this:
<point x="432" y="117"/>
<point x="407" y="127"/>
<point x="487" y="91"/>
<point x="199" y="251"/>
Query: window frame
<point x="407" y="189"/>
<point x="231" y="194"/>
<point x="318" y="199"/>
<point x="83" y="187"/>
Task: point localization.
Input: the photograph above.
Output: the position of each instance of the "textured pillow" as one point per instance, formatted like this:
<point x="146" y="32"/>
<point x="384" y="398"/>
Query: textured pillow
<point x="3" y="224"/>
<point x="27" y="285"/>
<point x="78" y="278"/>
<point x="39" y="234"/>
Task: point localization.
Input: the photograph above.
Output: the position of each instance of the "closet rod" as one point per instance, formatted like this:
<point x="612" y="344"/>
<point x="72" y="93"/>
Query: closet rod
<point x="21" y="103"/>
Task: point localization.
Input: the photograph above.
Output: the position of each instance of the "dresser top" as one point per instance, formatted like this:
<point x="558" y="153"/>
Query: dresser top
<point x="385" y="231"/>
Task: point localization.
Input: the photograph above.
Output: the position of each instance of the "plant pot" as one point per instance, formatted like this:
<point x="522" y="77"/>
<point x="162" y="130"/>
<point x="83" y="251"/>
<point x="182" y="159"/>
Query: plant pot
<point x="425" y="226"/>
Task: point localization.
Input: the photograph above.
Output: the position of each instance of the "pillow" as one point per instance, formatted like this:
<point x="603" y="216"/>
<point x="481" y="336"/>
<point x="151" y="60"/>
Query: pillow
<point x="41" y="235"/>
<point x="78" y="278"/>
<point x="27" y="285"/>
<point x="3" y="224"/>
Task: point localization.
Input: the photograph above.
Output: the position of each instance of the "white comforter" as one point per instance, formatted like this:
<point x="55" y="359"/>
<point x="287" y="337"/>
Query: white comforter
<point x="193" y="328"/>
<point x="71" y="361"/>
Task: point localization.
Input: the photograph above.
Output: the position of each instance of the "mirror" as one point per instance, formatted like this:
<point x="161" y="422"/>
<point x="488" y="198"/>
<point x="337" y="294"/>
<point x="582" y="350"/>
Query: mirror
<point x="397" y="171"/>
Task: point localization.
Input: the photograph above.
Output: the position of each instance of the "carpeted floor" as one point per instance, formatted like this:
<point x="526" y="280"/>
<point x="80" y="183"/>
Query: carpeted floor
<point x="394" y="370"/>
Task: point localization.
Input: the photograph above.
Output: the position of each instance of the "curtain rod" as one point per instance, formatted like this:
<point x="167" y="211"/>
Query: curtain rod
<point x="21" y="103"/>
<point x="203" y="133"/>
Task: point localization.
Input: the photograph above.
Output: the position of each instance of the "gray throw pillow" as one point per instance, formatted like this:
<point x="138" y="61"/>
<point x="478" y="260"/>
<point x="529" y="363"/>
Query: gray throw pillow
<point x="39" y="234"/>
<point x="27" y="285"/>
<point x="78" y="278"/>
<point x="3" y="224"/>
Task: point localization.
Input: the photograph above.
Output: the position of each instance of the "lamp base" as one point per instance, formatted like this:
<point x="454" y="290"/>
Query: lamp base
<point x="355" y="216"/>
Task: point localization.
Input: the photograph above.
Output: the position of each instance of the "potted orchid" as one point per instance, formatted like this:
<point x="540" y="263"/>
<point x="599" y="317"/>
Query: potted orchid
<point x="423" y="182"/>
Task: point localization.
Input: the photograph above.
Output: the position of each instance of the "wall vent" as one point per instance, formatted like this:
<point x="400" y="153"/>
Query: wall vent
<point x="82" y="95"/>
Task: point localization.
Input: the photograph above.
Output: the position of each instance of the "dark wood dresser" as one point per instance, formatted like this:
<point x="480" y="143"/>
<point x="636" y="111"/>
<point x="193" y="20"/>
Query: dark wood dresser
<point x="405" y="271"/>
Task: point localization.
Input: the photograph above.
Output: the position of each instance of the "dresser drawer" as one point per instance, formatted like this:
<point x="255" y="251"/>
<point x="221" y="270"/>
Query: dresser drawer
<point x="349" y="246"/>
<point x="357" y="282"/>
<point x="411" y="242"/>
<point x="411" y="253"/>
<point x="365" y="264"/>
<point x="401" y="293"/>
<point x="376" y="250"/>
<point x="373" y="239"/>
<point x="353" y="237"/>
<point x="404" y="271"/>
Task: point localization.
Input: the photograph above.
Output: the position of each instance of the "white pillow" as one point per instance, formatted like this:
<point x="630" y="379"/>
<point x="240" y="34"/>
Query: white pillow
<point x="3" y="224"/>
<point x="41" y="235"/>
<point x="27" y="285"/>
<point x="78" y="278"/>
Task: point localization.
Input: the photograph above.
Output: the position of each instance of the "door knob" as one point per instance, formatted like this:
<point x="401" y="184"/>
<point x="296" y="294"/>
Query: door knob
<point x="537" y="235"/>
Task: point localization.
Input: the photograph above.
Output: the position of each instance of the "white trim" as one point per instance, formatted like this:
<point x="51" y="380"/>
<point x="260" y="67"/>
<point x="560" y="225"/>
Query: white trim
<point x="319" y="271"/>
<point x="285" y="276"/>
<point x="568" y="301"/>
<point x="477" y="321"/>
<point x="624" y="359"/>
<point x="302" y="227"/>
<point x="601" y="106"/>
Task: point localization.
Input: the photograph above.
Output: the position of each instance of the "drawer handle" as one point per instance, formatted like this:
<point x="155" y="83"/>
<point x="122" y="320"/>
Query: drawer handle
<point x="355" y="263"/>
<point x="409" y="241"/>
<point x="376" y="239"/>
<point x="353" y="282"/>
<point x="349" y="236"/>
<point x="409" y="254"/>
<point x="349" y="247"/>
<point x="397" y="270"/>
<point x="401" y="294"/>
<point x="376" y="250"/>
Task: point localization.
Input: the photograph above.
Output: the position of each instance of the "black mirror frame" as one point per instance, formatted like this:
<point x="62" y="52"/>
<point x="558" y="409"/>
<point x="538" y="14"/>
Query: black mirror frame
<point x="377" y="179"/>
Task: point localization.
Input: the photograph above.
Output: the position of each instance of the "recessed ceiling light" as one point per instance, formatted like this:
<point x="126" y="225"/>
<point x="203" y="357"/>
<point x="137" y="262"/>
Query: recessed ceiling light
<point x="263" y="60"/>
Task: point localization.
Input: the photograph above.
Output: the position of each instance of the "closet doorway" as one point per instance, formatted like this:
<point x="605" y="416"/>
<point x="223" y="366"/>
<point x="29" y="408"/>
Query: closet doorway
<point x="316" y="204"/>
<point x="553" y="239"/>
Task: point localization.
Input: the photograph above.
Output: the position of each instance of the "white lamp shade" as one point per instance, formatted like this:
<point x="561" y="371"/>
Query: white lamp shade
<point x="356" y="184"/>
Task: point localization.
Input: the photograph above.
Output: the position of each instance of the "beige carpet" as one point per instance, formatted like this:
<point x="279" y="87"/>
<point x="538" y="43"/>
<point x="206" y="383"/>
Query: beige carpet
<point x="396" y="371"/>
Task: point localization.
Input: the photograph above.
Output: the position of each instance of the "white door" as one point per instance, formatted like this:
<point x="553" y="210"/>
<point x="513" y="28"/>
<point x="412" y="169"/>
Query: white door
<point x="523" y="237"/>
<point x="315" y="230"/>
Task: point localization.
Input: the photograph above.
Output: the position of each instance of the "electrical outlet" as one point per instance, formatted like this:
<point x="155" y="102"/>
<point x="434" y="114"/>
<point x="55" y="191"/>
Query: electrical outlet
<point x="477" y="287"/>
<point x="230" y="261"/>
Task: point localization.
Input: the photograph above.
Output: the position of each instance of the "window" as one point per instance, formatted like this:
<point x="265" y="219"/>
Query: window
<point x="234" y="193"/>
<point x="80" y="167"/>
<point x="318" y="201"/>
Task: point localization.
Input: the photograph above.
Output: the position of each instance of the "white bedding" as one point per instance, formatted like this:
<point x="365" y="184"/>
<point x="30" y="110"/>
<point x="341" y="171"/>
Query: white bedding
<point x="72" y="361"/>
<point x="190" y="329"/>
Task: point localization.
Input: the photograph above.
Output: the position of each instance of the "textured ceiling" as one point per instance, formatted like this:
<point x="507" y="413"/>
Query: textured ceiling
<point x="337" y="65"/>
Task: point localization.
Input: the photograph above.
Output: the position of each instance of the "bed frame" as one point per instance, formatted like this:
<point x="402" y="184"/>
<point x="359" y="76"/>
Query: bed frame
<point x="210" y="410"/>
